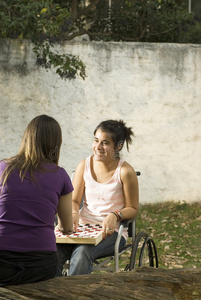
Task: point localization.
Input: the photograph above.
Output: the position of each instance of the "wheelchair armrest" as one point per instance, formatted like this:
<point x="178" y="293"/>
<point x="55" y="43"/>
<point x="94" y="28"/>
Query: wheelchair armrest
<point x="130" y="224"/>
<point x="126" y="223"/>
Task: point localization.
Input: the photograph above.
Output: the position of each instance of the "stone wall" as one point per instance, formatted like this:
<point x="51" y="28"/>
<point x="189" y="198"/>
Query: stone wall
<point x="155" y="88"/>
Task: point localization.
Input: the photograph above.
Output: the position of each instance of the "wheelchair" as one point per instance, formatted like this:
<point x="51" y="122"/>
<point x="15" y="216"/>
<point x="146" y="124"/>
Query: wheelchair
<point x="139" y="250"/>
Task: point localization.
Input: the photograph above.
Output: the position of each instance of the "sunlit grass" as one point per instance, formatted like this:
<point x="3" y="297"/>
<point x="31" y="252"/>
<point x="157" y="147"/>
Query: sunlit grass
<point x="176" y="230"/>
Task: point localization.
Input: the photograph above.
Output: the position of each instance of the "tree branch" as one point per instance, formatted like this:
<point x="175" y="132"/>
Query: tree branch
<point x="74" y="34"/>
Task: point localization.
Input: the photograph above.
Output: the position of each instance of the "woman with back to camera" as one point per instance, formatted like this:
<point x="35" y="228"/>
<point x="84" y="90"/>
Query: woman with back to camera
<point x="110" y="188"/>
<point x="33" y="188"/>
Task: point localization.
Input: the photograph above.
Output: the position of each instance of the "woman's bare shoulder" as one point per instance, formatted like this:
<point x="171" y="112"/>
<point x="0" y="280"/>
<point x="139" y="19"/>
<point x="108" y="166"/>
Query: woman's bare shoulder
<point x="127" y="170"/>
<point x="127" y="167"/>
<point x="80" y="167"/>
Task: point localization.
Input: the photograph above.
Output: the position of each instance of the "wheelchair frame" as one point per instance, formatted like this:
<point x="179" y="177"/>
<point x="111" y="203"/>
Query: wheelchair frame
<point x="133" y="246"/>
<point x="142" y="238"/>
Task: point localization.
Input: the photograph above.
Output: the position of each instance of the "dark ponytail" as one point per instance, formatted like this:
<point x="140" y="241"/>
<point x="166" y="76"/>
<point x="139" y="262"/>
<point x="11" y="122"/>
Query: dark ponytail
<point x="119" y="132"/>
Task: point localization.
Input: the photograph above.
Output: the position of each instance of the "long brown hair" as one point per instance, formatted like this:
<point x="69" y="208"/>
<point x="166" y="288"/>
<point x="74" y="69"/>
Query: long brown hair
<point x="41" y="142"/>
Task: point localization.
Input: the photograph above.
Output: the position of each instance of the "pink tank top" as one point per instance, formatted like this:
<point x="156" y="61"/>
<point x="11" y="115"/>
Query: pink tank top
<point x="101" y="198"/>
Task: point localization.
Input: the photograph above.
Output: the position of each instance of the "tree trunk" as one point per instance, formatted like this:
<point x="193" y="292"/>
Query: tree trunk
<point x="144" y="283"/>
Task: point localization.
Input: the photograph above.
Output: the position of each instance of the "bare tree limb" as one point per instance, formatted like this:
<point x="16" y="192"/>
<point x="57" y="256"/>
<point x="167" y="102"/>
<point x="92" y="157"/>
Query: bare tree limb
<point x="75" y="34"/>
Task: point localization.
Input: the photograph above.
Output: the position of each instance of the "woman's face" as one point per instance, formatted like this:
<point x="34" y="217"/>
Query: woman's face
<point x="103" y="146"/>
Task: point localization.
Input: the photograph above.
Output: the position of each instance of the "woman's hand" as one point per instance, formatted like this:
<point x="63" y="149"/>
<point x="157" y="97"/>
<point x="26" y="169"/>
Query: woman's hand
<point x="68" y="232"/>
<point x="109" y="225"/>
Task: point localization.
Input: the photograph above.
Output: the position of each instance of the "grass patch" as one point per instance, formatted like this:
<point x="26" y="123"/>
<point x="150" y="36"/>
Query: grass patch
<point x="176" y="231"/>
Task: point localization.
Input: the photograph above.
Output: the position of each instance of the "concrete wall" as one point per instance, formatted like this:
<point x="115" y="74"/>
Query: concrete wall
<point x="155" y="88"/>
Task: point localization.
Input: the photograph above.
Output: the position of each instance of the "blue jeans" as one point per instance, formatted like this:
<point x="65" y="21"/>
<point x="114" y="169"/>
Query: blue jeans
<point x="83" y="256"/>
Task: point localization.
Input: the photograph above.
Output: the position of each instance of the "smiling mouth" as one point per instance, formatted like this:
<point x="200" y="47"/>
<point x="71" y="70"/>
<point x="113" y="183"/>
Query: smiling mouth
<point x="99" y="153"/>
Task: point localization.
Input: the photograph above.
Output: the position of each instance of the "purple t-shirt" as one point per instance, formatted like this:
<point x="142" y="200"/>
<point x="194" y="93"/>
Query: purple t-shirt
<point x="27" y="210"/>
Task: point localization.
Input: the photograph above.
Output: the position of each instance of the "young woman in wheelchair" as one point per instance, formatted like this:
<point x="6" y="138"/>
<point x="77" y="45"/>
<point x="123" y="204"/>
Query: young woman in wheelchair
<point x="109" y="186"/>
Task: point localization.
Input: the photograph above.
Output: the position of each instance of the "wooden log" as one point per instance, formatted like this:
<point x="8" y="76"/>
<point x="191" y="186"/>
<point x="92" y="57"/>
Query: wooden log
<point x="142" y="284"/>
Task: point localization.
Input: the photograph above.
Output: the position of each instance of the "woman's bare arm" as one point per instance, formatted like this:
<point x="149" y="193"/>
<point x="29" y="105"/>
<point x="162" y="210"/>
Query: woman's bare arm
<point x="78" y="193"/>
<point x="64" y="211"/>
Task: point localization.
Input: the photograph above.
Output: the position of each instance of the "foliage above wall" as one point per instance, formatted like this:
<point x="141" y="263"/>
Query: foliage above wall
<point x="153" y="21"/>
<point x="48" y="23"/>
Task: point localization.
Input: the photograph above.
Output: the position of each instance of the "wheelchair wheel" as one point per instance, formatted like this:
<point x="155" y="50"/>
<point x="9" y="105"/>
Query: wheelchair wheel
<point x="143" y="252"/>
